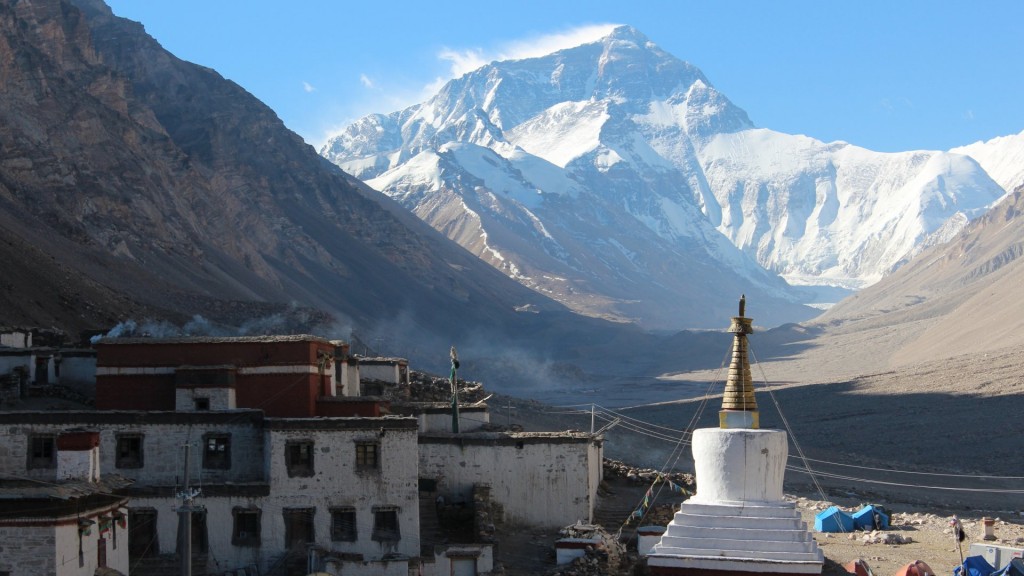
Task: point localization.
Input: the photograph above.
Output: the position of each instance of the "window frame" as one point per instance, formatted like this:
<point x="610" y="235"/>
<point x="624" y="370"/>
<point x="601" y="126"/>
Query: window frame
<point x="298" y="468"/>
<point x="48" y="443"/>
<point x="363" y="463"/>
<point x="381" y="531"/>
<point x="217" y="461"/>
<point x="307" y="515"/>
<point x="339" y="531"/>
<point x="129" y="462"/>
<point x="249" y="540"/>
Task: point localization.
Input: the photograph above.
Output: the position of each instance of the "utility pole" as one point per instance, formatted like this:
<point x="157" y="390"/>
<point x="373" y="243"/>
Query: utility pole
<point x="185" y="519"/>
<point x="455" y="390"/>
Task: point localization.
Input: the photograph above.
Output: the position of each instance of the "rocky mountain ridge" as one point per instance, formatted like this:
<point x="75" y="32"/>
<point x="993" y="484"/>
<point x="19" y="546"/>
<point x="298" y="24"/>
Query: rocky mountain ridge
<point x="597" y="174"/>
<point x="134" y="184"/>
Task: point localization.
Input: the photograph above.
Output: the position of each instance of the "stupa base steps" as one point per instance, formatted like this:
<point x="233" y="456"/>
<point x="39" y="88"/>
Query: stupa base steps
<point x="738" y="554"/>
<point x="724" y="538"/>
<point x="707" y="566"/>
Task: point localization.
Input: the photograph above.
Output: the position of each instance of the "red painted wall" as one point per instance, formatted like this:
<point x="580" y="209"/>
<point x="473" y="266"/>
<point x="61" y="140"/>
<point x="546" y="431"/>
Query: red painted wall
<point x="144" y="392"/>
<point x="283" y="395"/>
<point x="367" y="408"/>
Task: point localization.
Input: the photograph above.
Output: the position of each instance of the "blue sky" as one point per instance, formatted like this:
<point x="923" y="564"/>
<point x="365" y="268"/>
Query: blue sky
<point x="888" y="76"/>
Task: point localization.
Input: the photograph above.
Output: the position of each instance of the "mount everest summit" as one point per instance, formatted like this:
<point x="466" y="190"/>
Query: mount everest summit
<point x="616" y="179"/>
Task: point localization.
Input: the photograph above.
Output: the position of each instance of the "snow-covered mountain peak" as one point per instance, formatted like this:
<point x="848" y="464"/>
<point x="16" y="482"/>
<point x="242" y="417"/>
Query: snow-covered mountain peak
<point x="616" y="178"/>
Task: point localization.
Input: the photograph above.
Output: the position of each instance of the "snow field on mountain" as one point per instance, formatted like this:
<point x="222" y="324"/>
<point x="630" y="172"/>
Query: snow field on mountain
<point x="1002" y="158"/>
<point x="615" y="163"/>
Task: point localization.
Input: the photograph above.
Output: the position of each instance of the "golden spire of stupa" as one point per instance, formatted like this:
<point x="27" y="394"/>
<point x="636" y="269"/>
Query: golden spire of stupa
<point x="739" y="407"/>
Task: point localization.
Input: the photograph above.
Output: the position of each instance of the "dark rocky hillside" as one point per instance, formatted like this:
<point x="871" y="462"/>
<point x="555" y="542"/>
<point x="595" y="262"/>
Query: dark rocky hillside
<point x="136" y="185"/>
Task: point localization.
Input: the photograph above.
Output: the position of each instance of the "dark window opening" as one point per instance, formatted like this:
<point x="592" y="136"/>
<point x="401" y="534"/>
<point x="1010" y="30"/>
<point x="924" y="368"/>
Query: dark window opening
<point x="42" y="452"/>
<point x="200" y="541"/>
<point x="129" y="451"/>
<point x="298" y="457"/>
<point x="385" y="525"/>
<point x="217" y="451"/>
<point x="202" y="404"/>
<point x="298" y="528"/>
<point x="343" y="524"/>
<point x="142" y="535"/>
<point x="42" y="370"/>
<point x="247" y="527"/>
<point x="367" y="455"/>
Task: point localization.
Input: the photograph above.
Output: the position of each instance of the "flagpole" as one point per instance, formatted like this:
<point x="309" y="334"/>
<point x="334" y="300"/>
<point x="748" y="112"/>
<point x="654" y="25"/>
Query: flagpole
<point x="455" y="390"/>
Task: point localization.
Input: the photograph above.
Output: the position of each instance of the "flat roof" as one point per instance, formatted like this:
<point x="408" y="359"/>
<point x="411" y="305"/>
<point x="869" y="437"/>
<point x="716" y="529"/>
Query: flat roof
<point x="507" y="438"/>
<point x="343" y="423"/>
<point x="25" y="489"/>
<point x="217" y="340"/>
<point x="142" y="417"/>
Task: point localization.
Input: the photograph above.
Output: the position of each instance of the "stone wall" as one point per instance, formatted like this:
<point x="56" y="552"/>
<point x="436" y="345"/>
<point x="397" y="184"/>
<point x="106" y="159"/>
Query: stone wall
<point x="338" y="481"/>
<point x="29" y="551"/>
<point x="544" y="480"/>
<point x="163" y="435"/>
<point x="53" y="549"/>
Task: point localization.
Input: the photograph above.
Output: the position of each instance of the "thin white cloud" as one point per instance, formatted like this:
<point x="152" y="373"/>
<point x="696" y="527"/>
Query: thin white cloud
<point x="969" y="115"/>
<point x="469" y="59"/>
<point x="308" y="87"/>
<point x="460" y="61"/>
<point x="548" y="43"/>
<point x="463" y="61"/>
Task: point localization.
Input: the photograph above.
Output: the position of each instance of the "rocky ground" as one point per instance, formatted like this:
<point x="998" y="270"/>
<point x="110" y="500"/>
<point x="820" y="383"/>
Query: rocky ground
<point x="916" y="532"/>
<point x="927" y="439"/>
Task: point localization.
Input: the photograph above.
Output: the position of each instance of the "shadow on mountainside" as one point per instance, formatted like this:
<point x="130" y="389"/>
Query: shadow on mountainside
<point x="937" y="448"/>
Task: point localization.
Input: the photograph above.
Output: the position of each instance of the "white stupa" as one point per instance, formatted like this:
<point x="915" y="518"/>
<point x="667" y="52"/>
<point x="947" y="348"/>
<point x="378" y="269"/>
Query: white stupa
<point x="737" y="523"/>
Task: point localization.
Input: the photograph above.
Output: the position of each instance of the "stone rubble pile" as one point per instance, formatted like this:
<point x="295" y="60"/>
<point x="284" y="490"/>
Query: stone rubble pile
<point x="645" y="475"/>
<point x="605" y="559"/>
<point x="878" y="537"/>
<point x="428" y="388"/>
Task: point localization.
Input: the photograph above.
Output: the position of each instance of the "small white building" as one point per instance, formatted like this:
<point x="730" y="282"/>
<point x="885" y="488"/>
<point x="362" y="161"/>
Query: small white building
<point x="547" y="479"/>
<point x="393" y="371"/>
<point x="70" y="525"/>
<point x="15" y="338"/>
<point x="437" y="416"/>
<point x="36" y="365"/>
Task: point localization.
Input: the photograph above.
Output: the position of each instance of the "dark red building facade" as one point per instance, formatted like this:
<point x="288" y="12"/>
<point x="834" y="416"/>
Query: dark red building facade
<point x="285" y="376"/>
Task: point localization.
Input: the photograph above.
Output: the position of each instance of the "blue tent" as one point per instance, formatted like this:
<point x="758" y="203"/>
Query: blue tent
<point x="833" y="520"/>
<point x="871" y="518"/>
<point x="976" y="566"/>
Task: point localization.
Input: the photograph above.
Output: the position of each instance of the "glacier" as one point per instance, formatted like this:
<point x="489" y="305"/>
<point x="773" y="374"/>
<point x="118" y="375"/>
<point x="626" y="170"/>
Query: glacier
<point x="615" y="178"/>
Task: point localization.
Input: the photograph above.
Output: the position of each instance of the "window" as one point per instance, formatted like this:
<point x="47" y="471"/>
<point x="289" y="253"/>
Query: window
<point x="129" y="451"/>
<point x="247" y="527"/>
<point x="298" y="457"/>
<point x="298" y="528"/>
<point x="343" y="524"/>
<point x="217" y="451"/>
<point x="42" y="452"/>
<point x="367" y="455"/>
<point x="202" y="404"/>
<point x="142" y="534"/>
<point x="385" y="524"/>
